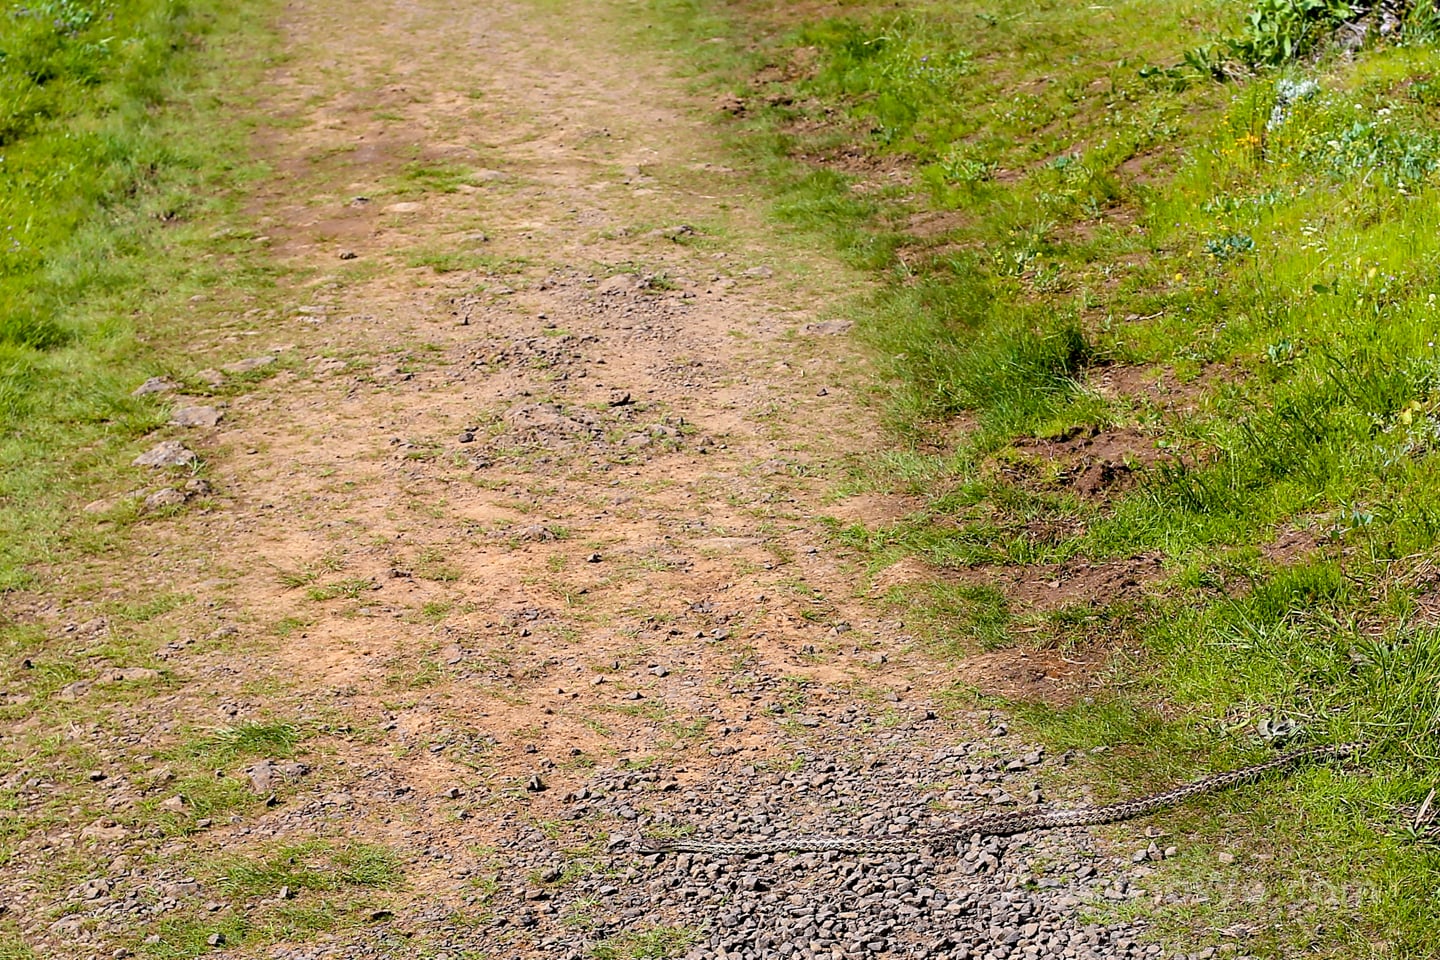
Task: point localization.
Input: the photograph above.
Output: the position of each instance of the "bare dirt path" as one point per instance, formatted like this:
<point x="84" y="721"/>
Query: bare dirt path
<point x="526" y="538"/>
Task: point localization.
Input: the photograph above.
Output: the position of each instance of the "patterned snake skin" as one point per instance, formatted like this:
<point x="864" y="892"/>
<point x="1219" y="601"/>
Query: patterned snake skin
<point x="1003" y="824"/>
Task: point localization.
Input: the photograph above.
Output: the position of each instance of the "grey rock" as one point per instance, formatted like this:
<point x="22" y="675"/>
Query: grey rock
<point x="127" y="675"/>
<point x="168" y="497"/>
<point x="170" y="453"/>
<point x="262" y="777"/>
<point x="249" y="364"/>
<point x="155" y="385"/>
<point x="619" y="284"/>
<point x="196" y="417"/>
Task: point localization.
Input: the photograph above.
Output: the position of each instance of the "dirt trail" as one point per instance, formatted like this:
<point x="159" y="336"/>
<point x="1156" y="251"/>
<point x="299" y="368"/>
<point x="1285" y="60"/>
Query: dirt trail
<point x="535" y="496"/>
<point x="590" y="455"/>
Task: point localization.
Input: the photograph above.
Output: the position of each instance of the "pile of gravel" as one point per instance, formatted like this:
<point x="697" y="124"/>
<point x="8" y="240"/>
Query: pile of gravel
<point x="996" y="898"/>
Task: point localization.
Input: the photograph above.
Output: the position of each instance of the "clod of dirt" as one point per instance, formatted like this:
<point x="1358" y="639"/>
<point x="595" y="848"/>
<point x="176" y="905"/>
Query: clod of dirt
<point x="1157" y="385"/>
<point x="1096" y="464"/>
<point x="1294" y="543"/>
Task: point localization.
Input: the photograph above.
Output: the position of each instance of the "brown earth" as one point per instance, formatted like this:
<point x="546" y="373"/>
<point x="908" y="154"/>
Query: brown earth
<point x="1095" y="464"/>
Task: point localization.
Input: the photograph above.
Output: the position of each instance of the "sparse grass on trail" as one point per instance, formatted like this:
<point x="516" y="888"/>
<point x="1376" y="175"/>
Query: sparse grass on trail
<point x="318" y="886"/>
<point x="656" y="943"/>
<point x="1053" y="191"/>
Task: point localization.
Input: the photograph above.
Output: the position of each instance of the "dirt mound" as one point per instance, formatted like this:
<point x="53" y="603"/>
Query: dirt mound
<point x="1096" y="464"/>
<point x="1044" y="588"/>
<point x="1033" y="676"/>
<point x="1295" y="543"/>
<point x="1157" y="385"/>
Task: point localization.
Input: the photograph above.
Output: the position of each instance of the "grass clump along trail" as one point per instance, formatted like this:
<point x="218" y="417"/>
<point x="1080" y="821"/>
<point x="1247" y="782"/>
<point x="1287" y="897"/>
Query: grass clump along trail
<point x="112" y="143"/>
<point x="1160" y="354"/>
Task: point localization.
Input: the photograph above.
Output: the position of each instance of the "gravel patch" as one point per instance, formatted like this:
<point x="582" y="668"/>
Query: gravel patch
<point x="575" y="887"/>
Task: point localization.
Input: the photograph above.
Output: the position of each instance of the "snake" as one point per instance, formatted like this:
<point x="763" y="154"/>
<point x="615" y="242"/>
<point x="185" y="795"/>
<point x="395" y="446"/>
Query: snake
<point x="1002" y="824"/>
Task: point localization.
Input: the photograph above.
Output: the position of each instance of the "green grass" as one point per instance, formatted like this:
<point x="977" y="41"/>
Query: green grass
<point x="1080" y="195"/>
<point x="316" y="865"/>
<point x="112" y="161"/>
<point x="248" y="740"/>
<point x="315" y="872"/>
<point x="653" y="944"/>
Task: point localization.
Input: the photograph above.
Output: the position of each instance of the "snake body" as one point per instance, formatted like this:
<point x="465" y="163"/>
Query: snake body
<point x="1004" y="824"/>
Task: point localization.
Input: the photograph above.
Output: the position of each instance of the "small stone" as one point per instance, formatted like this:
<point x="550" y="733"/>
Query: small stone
<point x="249" y="364"/>
<point x="175" y="804"/>
<point x="128" y="675"/>
<point x="155" y="385"/>
<point x="535" y="784"/>
<point x="1225" y="856"/>
<point x="196" y="417"/>
<point x="348" y="254"/>
<point x="466" y="437"/>
<point x="94" y="889"/>
<point x="593" y="558"/>
<point x="262" y="776"/>
<point x="828" y="327"/>
<point x="216" y="939"/>
<point x="162" y="499"/>
<point x="171" y="453"/>
<point x="188" y="887"/>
